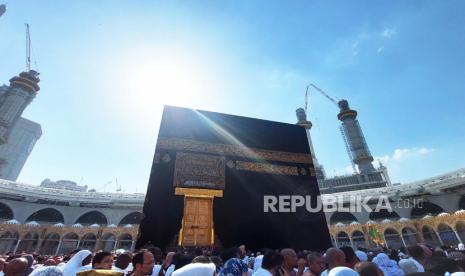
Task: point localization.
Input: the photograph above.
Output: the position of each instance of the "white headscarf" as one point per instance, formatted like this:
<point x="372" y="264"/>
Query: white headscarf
<point x="388" y="266"/>
<point x="408" y="266"/>
<point x="342" y="271"/>
<point x="75" y="263"/>
<point x="362" y="256"/>
<point x="196" y="269"/>
<point x="47" y="271"/>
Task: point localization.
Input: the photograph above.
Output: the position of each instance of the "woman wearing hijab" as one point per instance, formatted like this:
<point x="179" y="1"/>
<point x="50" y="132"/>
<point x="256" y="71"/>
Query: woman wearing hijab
<point x="388" y="266"/>
<point x="75" y="264"/>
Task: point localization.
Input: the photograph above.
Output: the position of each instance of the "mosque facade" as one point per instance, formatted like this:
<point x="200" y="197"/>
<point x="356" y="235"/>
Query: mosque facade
<point x="55" y="221"/>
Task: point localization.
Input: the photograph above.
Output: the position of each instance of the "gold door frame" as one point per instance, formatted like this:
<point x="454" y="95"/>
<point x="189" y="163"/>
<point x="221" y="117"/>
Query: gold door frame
<point x="201" y="194"/>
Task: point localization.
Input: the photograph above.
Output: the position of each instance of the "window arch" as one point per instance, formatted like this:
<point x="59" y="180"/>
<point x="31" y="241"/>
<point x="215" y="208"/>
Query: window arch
<point x="462" y="203"/>
<point x="383" y="214"/>
<point x="410" y="236"/>
<point x="69" y="243"/>
<point x="88" y="241"/>
<point x="393" y="238"/>
<point x="50" y="244"/>
<point x="107" y="242"/>
<point x="8" y="241"/>
<point x="430" y="236"/>
<point x="343" y="217"/>
<point x="132" y="218"/>
<point x="47" y="215"/>
<point x="425" y="208"/>
<point x="28" y="242"/>
<point x="124" y="242"/>
<point x="5" y="212"/>
<point x="358" y="239"/>
<point x="447" y="235"/>
<point x="460" y="227"/>
<point x="342" y="239"/>
<point x="92" y="217"/>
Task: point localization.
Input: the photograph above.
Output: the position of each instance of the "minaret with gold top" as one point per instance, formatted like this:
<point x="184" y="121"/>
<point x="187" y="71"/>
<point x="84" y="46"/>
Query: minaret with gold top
<point x="19" y="94"/>
<point x="354" y="138"/>
<point x="302" y="121"/>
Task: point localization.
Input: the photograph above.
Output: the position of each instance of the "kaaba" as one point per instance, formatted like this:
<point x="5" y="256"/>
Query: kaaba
<point x="212" y="174"/>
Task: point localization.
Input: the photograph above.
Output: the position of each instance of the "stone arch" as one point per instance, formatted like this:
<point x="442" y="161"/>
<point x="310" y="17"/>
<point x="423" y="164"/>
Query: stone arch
<point x="425" y="208"/>
<point x="429" y="235"/>
<point x="393" y="238"/>
<point x="88" y="241"/>
<point x="92" y="217"/>
<point x="460" y="228"/>
<point x="358" y="239"/>
<point x="131" y="218"/>
<point x="50" y="244"/>
<point x="28" y="243"/>
<point x="46" y="215"/>
<point x="462" y="203"/>
<point x="447" y="235"/>
<point x="124" y="241"/>
<point x="383" y="214"/>
<point x="107" y="242"/>
<point x="344" y="217"/>
<point x="342" y="239"/>
<point x="409" y="235"/>
<point x="6" y="213"/>
<point x="8" y="241"/>
<point x="69" y="243"/>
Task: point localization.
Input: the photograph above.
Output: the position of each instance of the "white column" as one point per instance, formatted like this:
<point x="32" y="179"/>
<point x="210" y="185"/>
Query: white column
<point x="439" y="237"/>
<point x="458" y="237"/>
<point x="78" y="244"/>
<point x="59" y="245"/>
<point x="133" y="244"/>
<point x="116" y="244"/>
<point x="16" y="246"/>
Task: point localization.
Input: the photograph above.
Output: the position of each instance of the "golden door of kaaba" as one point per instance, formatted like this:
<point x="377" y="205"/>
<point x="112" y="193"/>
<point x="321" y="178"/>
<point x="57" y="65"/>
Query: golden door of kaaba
<point x="197" y="222"/>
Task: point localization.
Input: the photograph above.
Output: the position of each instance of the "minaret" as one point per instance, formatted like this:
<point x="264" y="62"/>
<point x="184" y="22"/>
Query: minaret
<point x="354" y="139"/>
<point x="302" y="121"/>
<point x="14" y="99"/>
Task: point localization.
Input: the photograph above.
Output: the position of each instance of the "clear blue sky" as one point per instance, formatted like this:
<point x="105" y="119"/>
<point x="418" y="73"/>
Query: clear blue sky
<point x="107" y="68"/>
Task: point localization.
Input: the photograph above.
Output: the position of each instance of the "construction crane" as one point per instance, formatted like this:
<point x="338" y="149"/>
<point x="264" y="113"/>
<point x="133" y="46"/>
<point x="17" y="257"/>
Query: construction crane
<point x="28" y="48"/>
<point x="306" y="99"/>
<point x="344" y="136"/>
<point x="335" y="101"/>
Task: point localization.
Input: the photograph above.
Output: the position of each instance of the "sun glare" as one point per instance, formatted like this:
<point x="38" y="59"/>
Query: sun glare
<point x="172" y="80"/>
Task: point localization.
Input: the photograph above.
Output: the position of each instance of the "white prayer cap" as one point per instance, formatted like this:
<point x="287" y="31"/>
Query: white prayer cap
<point x="461" y="246"/>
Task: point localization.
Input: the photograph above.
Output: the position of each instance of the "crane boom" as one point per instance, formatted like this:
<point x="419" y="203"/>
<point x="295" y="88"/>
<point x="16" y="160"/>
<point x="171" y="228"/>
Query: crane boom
<point x="28" y="49"/>
<point x="306" y="99"/>
<point x="324" y="93"/>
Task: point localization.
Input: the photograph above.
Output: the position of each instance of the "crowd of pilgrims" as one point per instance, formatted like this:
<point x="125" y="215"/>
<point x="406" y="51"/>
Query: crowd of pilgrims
<point x="237" y="261"/>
